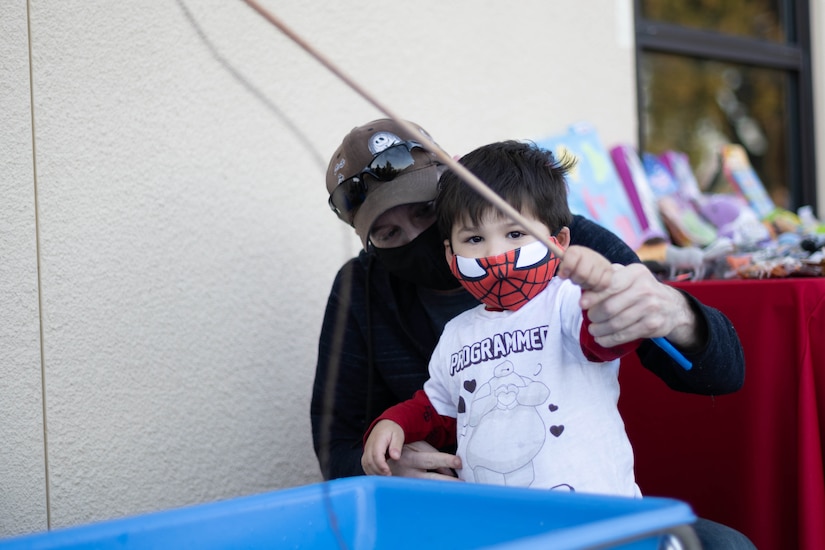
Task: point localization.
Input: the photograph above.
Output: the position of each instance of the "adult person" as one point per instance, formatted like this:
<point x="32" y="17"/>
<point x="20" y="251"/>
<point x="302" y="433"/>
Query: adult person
<point x="388" y="306"/>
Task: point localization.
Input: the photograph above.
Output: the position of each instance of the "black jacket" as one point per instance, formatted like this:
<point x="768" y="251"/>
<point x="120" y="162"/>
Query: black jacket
<point x="390" y="325"/>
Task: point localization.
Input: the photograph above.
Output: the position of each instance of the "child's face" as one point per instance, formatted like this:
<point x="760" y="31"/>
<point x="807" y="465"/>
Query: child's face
<point x="494" y="235"/>
<point x="483" y="259"/>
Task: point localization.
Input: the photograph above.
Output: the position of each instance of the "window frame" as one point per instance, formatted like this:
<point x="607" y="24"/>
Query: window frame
<point x="792" y="56"/>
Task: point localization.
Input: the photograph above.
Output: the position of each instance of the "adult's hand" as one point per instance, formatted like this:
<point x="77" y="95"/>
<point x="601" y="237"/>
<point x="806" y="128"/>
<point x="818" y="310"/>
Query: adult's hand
<point x="636" y="305"/>
<point x="421" y="460"/>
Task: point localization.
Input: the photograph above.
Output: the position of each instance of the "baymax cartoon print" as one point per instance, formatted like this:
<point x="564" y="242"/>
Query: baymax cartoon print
<point x="505" y="404"/>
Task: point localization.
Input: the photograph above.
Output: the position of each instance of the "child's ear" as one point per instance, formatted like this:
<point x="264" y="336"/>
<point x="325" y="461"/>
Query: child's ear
<point x="448" y="251"/>
<point x="563" y="237"/>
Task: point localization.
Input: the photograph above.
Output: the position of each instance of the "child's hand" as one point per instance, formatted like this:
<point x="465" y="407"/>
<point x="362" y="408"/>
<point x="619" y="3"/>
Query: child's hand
<point x="385" y="439"/>
<point x="587" y="268"/>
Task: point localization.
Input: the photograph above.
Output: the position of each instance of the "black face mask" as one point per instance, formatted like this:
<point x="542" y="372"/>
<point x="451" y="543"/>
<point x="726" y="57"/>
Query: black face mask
<point x="420" y="261"/>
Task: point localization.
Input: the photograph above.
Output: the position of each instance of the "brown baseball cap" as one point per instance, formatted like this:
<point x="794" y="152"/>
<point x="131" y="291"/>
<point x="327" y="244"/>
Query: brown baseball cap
<point x="417" y="182"/>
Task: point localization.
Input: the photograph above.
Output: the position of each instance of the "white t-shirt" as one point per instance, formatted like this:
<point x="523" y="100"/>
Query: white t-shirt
<point x="531" y="410"/>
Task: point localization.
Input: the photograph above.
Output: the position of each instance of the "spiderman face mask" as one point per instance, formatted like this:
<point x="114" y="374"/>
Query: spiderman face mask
<point x="509" y="280"/>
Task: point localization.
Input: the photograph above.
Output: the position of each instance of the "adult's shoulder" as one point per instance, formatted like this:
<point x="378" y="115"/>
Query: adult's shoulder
<point x="361" y="263"/>
<point x="585" y="232"/>
<point x="353" y="272"/>
<point x="364" y="271"/>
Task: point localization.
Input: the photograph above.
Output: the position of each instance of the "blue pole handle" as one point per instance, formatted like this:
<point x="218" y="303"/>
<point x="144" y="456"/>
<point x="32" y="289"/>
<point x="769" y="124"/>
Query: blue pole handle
<point x="673" y="352"/>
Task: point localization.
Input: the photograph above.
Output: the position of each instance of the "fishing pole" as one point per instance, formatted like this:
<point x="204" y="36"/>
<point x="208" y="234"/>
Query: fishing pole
<point x="468" y="177"/>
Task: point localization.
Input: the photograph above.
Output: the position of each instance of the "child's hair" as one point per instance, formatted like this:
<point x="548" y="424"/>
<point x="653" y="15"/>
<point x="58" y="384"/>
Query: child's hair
<point x="529" y="178"/>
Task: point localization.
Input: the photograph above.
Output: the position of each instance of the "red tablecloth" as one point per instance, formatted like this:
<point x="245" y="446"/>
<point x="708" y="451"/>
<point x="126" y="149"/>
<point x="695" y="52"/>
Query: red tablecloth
<point x="754" y="459"/>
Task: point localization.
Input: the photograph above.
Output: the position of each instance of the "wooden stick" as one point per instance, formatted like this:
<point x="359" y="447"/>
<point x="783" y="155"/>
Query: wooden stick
<point x="471" y="179"/>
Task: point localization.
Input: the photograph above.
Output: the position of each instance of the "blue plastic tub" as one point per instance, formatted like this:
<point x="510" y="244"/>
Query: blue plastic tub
<point x="377" y="512"/>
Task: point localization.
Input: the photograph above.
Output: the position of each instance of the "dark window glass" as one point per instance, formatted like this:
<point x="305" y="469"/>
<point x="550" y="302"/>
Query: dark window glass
<point x="730" y="71"/>
<point x="752" y="18"/>
<point x="694" y="106"/>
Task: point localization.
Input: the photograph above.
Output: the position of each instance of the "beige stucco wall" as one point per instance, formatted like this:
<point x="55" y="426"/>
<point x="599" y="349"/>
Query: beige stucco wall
<point x="185" y="248"/>
<point x="22" y="453"/>
<point x="165" y="171"/>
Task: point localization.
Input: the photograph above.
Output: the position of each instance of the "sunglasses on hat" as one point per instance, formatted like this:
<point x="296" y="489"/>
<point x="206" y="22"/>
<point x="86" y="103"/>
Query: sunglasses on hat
<point x="385" y="166"/>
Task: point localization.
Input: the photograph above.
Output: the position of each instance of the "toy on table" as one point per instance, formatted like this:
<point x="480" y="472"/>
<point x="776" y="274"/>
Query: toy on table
<point x="740" y="174"/>
<point x="678" y="163"/>
<point x="594" y="188"/>
<point x="672" y="228"/>
<point x="641" y="196"/>
<point x="596" y="192"/>
<point x="734" y="219"/>
<point x="686" y="226"/>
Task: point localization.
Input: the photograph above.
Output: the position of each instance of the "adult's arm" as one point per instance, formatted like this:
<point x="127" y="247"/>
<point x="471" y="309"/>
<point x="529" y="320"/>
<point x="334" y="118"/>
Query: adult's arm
<point x="340" y="394"/>
<point x="346" y="397"/>
<point x="702" y="333"/>
<point x="419" y="422"/>
<point x="718" y="362"/>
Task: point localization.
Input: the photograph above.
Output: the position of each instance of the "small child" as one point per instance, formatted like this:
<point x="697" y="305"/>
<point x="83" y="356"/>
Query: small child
<point x="518" y="382"/>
